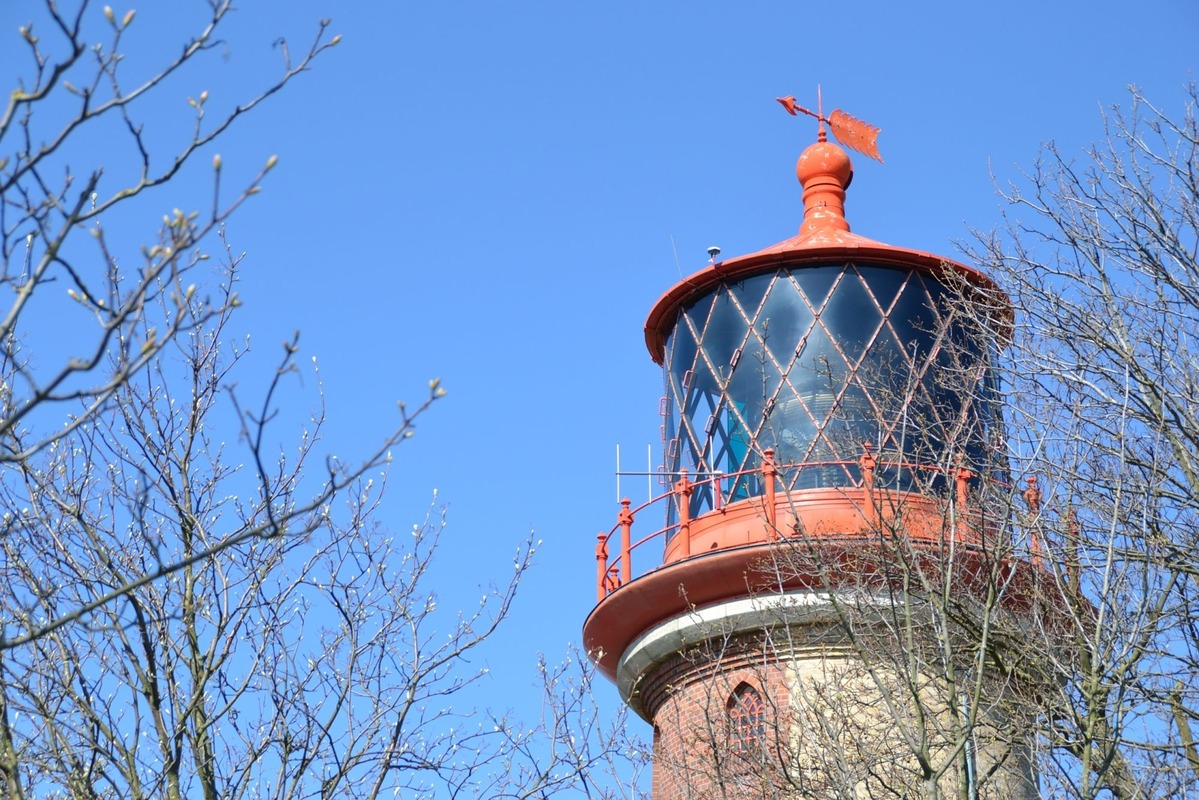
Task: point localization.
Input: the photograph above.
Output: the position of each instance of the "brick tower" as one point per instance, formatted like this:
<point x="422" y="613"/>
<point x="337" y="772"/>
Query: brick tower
<point x="812" y="619"/>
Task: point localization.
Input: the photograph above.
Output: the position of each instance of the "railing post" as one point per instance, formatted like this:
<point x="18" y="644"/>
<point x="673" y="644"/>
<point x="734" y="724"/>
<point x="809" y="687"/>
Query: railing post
<point x="718" y="488"/>
<point x="867" y="464"/>
<point x="963" y="476"/>
<point x="601" y="566"/>
<point x="1032" y="496"/>
<point x="625" y="519"/>
<point x="769" y="473"/>
<point x="683" y="490"/>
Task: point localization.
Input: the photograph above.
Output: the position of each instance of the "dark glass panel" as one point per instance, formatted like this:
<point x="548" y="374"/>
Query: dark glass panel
<point x="723" y="335"/>
<point x="753" y="381"/>
<point x="680" y="352"/>
<point x="884" y="283"/>
<point x="782" y="322"/>
<point x="750" y="292"/>
<point x="698" y="311"/>
<point x="851" y="316"/>
<point x="913" y="321"/>
<point x="818" y="367"/>
<point x="816" y="282"/>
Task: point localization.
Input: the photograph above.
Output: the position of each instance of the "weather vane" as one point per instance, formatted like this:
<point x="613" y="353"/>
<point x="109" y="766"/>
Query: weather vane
<point x="850" y="131"/>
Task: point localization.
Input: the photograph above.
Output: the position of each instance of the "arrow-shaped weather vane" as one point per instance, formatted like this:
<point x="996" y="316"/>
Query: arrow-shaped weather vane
<point x="850" y="131"/>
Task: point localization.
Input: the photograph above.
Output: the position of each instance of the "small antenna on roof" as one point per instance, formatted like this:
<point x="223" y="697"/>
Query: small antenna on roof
<point x="677" y="265"/>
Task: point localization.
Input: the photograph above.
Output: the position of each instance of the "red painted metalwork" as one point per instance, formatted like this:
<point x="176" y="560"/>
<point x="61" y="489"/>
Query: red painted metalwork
<point x="1032" y="495"/>
<point x="601" y="565"/>
<point x="834" y="513"/>
<point x="625" y="521"/>
<point x="769" y="477"/>
<point x="789" y="104"/>
<point x="867" y="465"/>
<point x="855" y="133"/>
<point x="824" y="170"/>
<point x="849" y="130"/>
<point x="682" y="491"/>
<point x="717" y="575"/>
<point x="963" y="477"/>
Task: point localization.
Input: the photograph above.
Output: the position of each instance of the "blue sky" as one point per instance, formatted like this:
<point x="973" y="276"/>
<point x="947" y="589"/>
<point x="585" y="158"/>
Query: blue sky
<point x="488" y="192"/>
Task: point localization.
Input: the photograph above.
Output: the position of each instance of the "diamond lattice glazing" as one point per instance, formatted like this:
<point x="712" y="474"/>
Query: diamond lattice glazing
<point x="813" y="361"/>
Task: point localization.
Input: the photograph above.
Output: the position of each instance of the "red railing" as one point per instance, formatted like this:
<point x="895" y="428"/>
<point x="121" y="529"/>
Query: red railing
<point x="615" y="570"/>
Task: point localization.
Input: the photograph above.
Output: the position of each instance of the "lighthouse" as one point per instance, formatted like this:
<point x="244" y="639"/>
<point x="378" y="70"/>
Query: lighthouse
<point x="815" y="605"/>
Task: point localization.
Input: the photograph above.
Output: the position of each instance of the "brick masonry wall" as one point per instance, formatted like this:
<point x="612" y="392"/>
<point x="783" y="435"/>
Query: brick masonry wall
<point x="829" y="730"/>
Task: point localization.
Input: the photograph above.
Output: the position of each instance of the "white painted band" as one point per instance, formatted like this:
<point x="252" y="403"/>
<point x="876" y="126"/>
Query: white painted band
<point x="723" y="619"/>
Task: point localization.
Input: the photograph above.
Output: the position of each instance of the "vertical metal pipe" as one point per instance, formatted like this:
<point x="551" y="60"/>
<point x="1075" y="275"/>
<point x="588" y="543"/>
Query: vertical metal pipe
<point x="867" y="464"/>
<point x="683" y="490"/>
<point x="625" y="519"/>
<point x="601" y="565"/>
<point x="769" y="473"/>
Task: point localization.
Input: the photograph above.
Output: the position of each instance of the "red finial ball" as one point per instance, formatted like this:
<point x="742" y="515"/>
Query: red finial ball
<point x="825" y="171"/>
<point x="824" y="159"/>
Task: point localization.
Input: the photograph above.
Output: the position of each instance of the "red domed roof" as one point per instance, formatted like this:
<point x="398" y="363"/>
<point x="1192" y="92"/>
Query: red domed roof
<point x="825" y="171"/>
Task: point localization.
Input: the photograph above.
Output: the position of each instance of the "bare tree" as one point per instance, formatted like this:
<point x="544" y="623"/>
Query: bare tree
<point x="186" y="609"/>
<point x="125" y="311"/>
<point x="1101" y="256"/>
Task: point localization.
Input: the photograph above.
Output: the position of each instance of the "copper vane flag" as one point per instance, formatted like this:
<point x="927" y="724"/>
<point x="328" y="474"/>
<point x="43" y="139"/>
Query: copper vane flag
<point x="849" y="130"/>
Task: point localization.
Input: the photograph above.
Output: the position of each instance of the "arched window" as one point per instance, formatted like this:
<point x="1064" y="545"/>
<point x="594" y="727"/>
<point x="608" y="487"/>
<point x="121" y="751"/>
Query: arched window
<point x="747" y="720"/>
